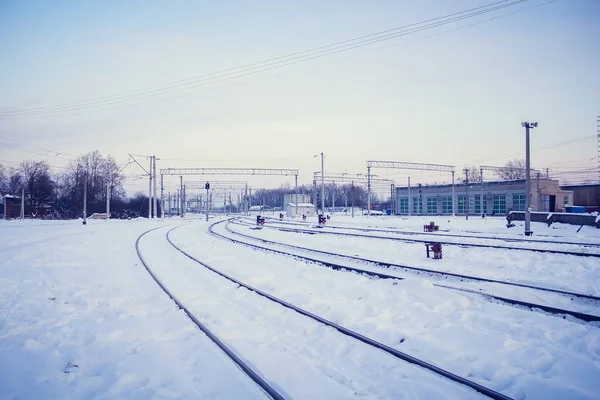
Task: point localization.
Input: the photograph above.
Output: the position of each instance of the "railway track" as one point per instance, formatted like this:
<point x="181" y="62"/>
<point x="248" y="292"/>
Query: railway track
<point x="514" y="302"/>
<point x="416" y="240"/>
<point x="438" y="235"/>
<point x="251" y="372"/>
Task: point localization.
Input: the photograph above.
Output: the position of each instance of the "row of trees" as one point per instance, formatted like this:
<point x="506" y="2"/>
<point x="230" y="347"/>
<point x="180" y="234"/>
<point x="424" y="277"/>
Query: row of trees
<point x="62" y="193"/>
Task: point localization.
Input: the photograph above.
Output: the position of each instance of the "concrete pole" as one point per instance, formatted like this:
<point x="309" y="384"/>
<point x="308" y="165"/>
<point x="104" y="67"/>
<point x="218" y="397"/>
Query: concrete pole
<point x="393" y="199"/>
<point x="409" y="199"/>
<point x="315" y="203"/>
<point x="85" y="199"/>
<point x="162" y="198"/>
<point x="527" y="183"/>
<point x="169" y="201"/>
<point x="107" y="201"/>
<point x="538" y="208"/>
<point x="23" y="203"/>
<point x="333" y="197"/>
<point x="181" y="196"/>
<point x="481" y="198"/>
<point x="323" y="184"/>
<point x="154" y="183"/>
<point x="453" y="197"/>
<point x="150" y="190"/>
<point x="296" y="179"/>
<point x="246" y="201"/>
<point x="207" y="197"/>
<point x="368" y="191"/>
<point x="352" y="193"/>
<point x="250" y="202"/>
<point x="467" y="193"/>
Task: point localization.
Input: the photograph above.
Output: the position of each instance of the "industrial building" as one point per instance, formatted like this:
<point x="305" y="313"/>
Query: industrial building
<point x="585" y="195"/>
<point x="303" y="209"/>
<point x="499" y="198"/>
<point x="291" y="198"/>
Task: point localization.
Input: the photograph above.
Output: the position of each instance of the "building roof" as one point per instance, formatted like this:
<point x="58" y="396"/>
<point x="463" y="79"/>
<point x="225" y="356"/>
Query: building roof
<point x="581" y="185"/>
<point x="486" y="183"/>
<point x="301" y="204"/>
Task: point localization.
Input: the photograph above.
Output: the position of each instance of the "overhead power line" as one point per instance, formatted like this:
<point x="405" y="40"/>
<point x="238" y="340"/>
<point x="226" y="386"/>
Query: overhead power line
<point x="266" y="65"/>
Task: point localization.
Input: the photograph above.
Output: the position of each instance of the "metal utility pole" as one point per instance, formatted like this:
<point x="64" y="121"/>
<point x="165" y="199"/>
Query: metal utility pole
<point x="154" y="181"/>
<point x="409" y="199"/>
<point x="352" y="193"/>
<point x="207" y="187"/>
<point x="368" y="191"/>
<point x="467" y="193"/>
<point x="296" y="179"/>
<point x="162" y="198"/>
<point x="181" y="200"/>
<point x="537" y="207"/>
<point x="107" y="201"/>
<point x="316" y="204"/>
<point x="333" y="197"/>
<point x="85" y="198"/>
<point x="22" y="203"/>
<point x="481" y="198"/>
<point x="453" y="197"/>
<point x="250" y="202"/>
<point x="322" y="184"/>
<point x="246" y="201"/>
<point x="528" y="126"/>
<point x="393" y="205"/>
<point x="169" y="202"/>
<point x="150" y="190"/>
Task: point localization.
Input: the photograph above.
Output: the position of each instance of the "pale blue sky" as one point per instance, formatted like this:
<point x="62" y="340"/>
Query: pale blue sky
<point x="457" y="98"/>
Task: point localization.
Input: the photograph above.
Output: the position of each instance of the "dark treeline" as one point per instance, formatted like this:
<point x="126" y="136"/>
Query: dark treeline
<point x="60" y="195"/>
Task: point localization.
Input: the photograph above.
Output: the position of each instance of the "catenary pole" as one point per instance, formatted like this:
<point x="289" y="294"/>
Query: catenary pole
<point x="322" y="184"/>
<point x="150" y="189"/>
<point x="467" y="193"/>
<point x="154" y="184"/>
<point x="368" y="191"/>
<point x="481" y="198"/>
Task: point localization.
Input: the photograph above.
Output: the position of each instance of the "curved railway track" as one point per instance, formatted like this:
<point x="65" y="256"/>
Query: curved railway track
<point x="514" y="302"/>
<point x="252" y="373"/>
<point x="416" y="240"/>
<point x="438" y="235"/>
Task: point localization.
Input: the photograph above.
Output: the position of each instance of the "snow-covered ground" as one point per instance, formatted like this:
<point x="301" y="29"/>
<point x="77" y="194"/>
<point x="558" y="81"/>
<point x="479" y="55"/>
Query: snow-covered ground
<point x="79" y="294"/>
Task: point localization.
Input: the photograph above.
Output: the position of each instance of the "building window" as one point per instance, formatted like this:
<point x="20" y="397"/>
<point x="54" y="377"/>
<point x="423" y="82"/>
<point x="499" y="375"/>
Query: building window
<point x="478" y="204"/>
<point x="499" y="204"/>
<point x="447" y="205"/>
<point x="417" y="205"/>
<point x="432" y="205"/>
<point x="462" y="202"/>
<point x="566" y="199"/>
<point x="519" y="202"/>
<point x="403" y="205"/>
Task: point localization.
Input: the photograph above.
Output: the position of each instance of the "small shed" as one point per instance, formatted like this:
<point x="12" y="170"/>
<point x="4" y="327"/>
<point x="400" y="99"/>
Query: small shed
<point x="303" y="209"/>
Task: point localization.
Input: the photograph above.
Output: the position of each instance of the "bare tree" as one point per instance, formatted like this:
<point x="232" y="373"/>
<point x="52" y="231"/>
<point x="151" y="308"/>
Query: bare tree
<point x="474" y="174"/>
<point x="512" y="170"/>
<point x="39" y="186"/>
<point x="15" y="182"/>
<point x="3" y="180"/>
